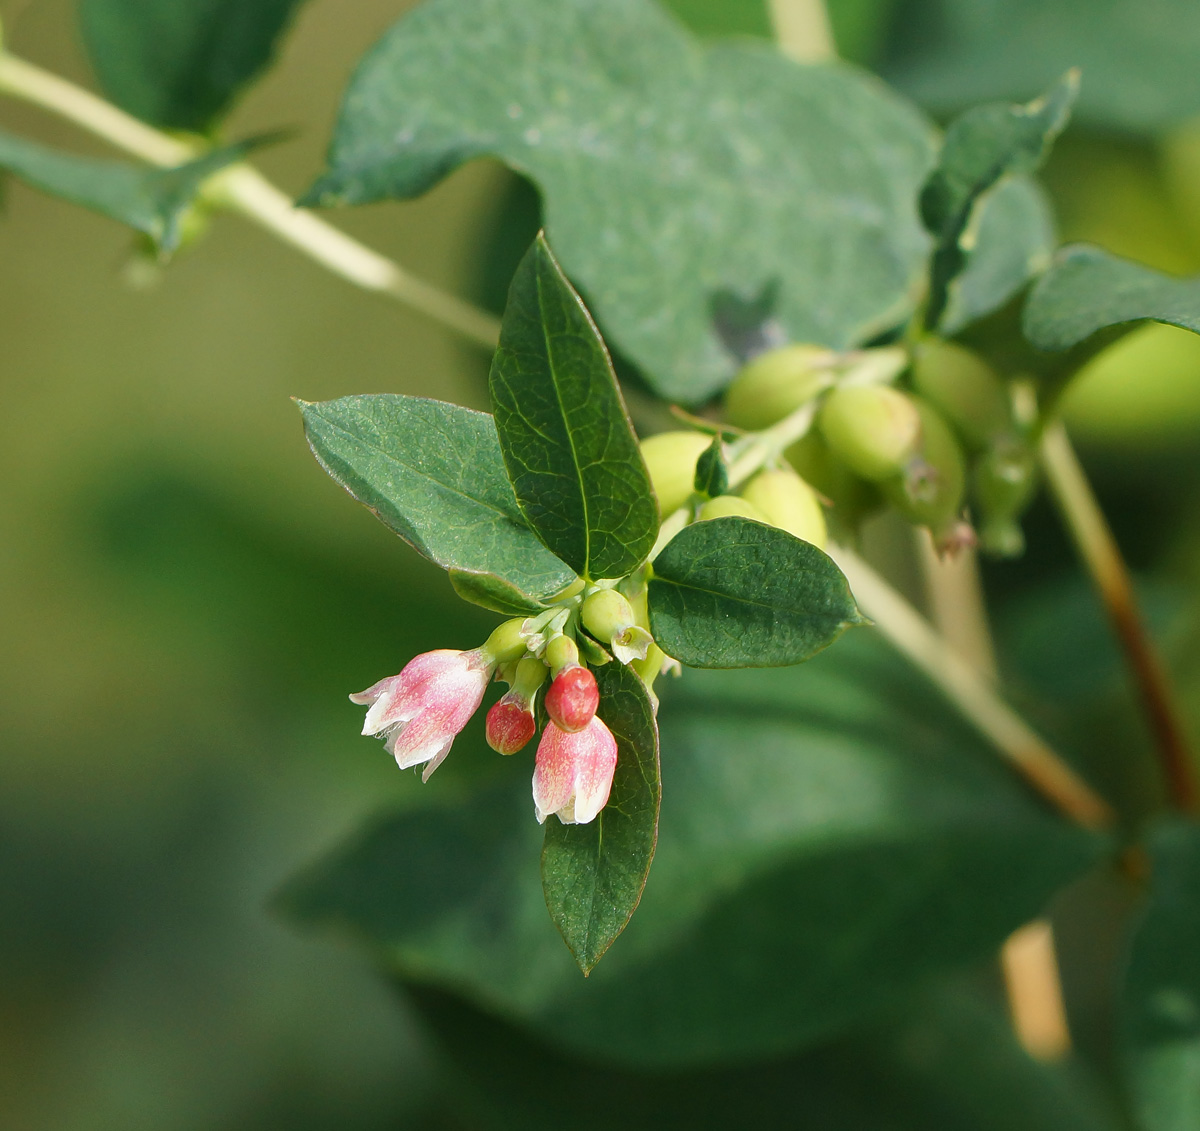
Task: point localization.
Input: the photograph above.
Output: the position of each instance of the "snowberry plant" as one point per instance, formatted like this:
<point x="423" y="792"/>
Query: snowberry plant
<point x="850" y="313"/>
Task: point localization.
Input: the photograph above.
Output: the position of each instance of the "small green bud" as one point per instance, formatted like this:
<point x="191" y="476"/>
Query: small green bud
<point x="874" y="429"/>
<point x="724" y="506"/>
<point x="507" y="642"/>
<point x="788" y="502"/>
<point x="561" y="652"/>
<point x="1004" y="481"/>
<point x="964" y="389"/>
<point x="777" y="383"/>
<point x="530" y="675"/>
<point x="929" y="492"/>
<point x="712" y="470"/>
<point x="852" y="498"/>
<point x="671" y="460"/>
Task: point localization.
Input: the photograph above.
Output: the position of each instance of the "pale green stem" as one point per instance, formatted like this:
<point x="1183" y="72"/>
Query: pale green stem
<point x="973" y="695"/>
<point x="241" y="188"/>
<point x="767" y="445"/>
<point x="802" y="30"/>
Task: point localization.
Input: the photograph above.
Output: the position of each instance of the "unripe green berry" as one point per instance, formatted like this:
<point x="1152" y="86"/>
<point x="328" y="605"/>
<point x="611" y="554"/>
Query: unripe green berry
<point x="561" y="652"/>
<point x="853" y="499"/>
<point x="507" y="642"/>
<point x="606" y="614"/>
<point x="1004" y="481"/>
<point x="874" y="429"/>
<point x="775" y="384"/>
<point x="725" y="506"/>
<point x="964" y="389"/>
<point x="671" y="460"/>
<point x="788" y="502"/>
<point x="929" y="492"/>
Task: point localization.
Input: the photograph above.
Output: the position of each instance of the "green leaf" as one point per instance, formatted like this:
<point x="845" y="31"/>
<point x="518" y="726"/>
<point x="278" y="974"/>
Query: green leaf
<point x="982" y="147"/>
<point x="432" y="472"/>
<point x="830" y="838"/>
<point x="712" y="470"/>
<point x="672" y="172"/>
<point x="593" y="874"/>
<point x="179" y="63"/>
<point x="491" y="592"/>
<point x="1138" y="59"/>
<point x="945" y="1062"/>
<point x="735" y="593"/>
<point x="1014" y="238"/>
<point x="1087" y="289"/>
<point x="1160" y="1029"/>
<point x="570" y="450"/>
<point x="152" y="201"/>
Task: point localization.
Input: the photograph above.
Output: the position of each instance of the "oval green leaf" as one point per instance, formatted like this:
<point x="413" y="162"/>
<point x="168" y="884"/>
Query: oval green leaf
<point x="735" y="593"/>
<point x="593" y="875"/>
<point x="433" y="473"/>
<point x="672" y="172"/>
<point x="569" y="447"/>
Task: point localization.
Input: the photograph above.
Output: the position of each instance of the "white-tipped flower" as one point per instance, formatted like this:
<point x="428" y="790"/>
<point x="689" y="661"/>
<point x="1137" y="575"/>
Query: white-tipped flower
<point x="574" y="773"/>
<point x="421" y="711"/>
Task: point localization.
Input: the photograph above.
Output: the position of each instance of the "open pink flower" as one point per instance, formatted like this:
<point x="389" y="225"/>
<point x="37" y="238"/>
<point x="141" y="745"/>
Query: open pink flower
<point x="421" y="710"/>
<point x="574" y="772"/>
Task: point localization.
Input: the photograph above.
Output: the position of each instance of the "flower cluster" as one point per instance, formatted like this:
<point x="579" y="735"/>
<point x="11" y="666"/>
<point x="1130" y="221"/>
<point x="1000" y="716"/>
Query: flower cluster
<point x="421" y="711"/>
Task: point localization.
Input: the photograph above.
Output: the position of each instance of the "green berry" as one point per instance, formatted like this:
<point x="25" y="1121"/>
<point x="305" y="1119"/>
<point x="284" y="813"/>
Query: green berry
<point x="724" y="506"/>
<point x="788" y="502"/>
<point x="964" y="389"/>
<point x="873" y="429"/>
<point x="852" y="498"/>
<point x="929" y="492"/>
<point x="1003" y="484"/>
<point x="671" y="460"/>
<point x="775" y="384"/>
<point x="606" y="613"/>
<point x="507" y="642"/>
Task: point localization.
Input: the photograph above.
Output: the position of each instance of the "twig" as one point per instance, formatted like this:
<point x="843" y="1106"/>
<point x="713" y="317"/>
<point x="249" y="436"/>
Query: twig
<point x="241" y="188"/>
<point x="974" y="697"/>
<point x="1102" y="558"/>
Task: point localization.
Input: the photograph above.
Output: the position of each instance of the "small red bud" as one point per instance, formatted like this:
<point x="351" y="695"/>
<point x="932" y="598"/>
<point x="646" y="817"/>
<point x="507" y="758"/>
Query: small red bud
<point x="510" y="725"/>
<point x="572" y="699"/>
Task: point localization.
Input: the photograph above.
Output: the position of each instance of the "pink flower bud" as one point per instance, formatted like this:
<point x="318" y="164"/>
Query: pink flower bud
<point x="574" y="773"/>
<point x="421" y="710"/>
<point x="572" y="699"/>
<point x="510" y="724"/>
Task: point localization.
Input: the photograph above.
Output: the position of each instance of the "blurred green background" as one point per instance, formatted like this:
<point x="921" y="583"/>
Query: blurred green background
<point x="186" y="600"/>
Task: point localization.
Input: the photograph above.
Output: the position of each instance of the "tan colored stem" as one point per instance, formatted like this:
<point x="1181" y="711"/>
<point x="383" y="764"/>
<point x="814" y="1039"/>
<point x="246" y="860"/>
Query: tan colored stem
<point x="241" y="188"/>
<point x="974" y="696"/>
<point x="954" y="593"/>
<point x="1102" y="558"/>
<point x="802" y="30"/>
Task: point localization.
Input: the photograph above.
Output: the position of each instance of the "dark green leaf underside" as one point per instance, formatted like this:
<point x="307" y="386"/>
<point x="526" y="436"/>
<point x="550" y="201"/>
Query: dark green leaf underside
<point x="179" y="64"/>
<point x="672" y="172"/>
<point x="831" y="836"/>
<point x="593" y="874"/>
<point x="569" y="448"/>
<point x="1087" y="289"/>
<point x="734" y="593"/>
<point x="433" y="473"/>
